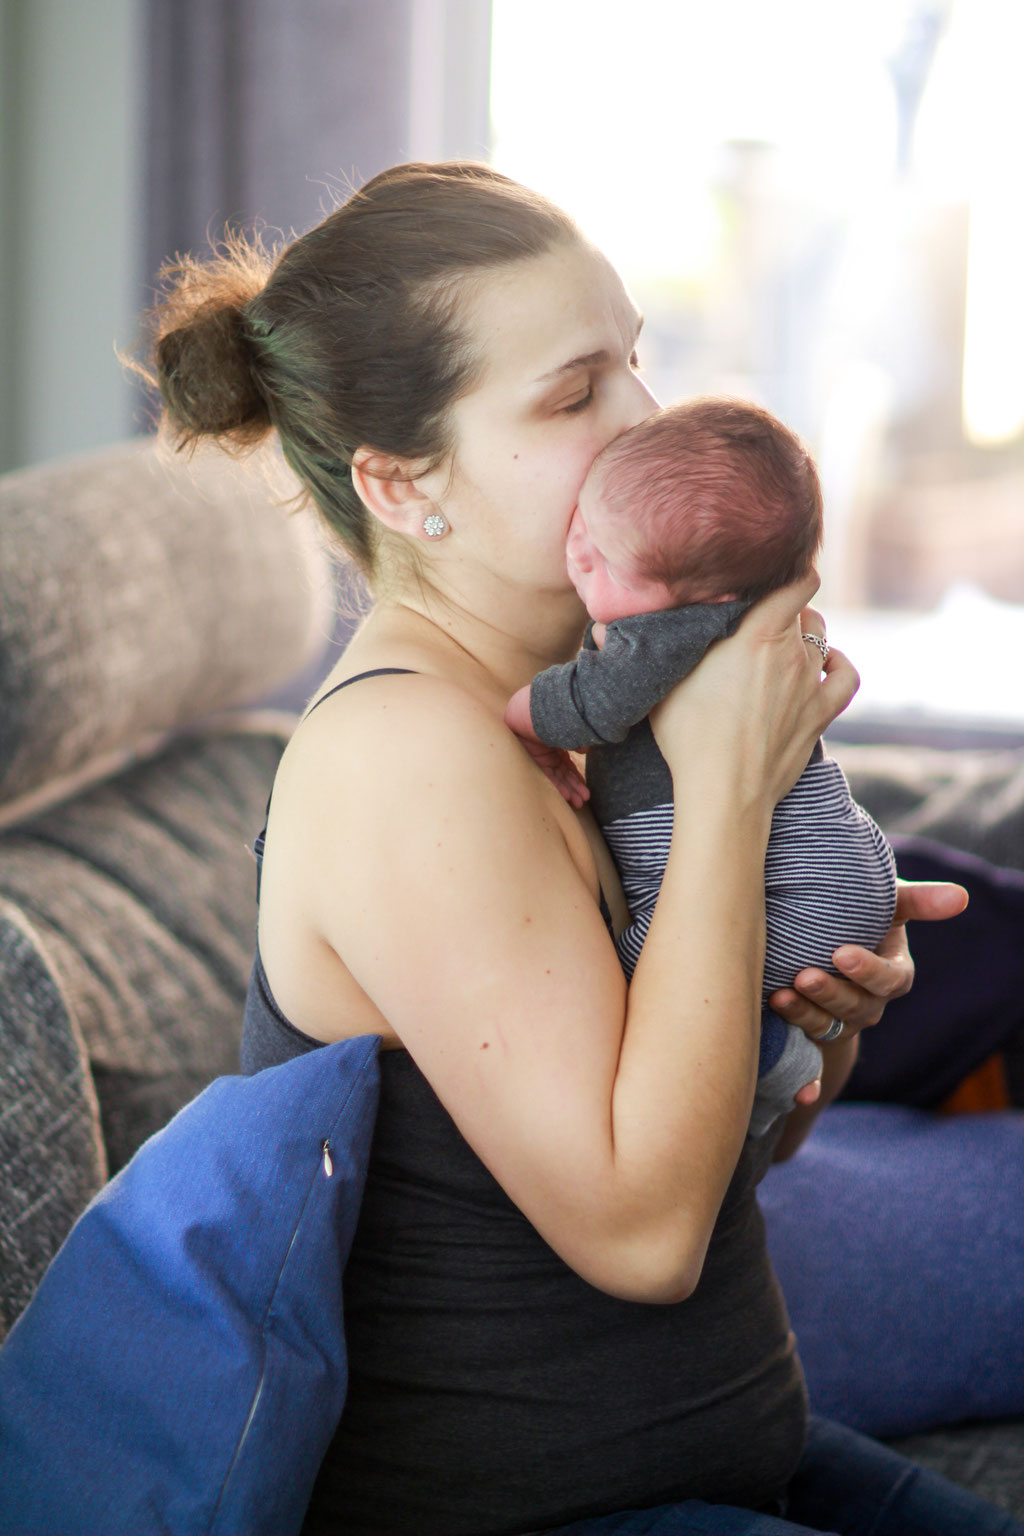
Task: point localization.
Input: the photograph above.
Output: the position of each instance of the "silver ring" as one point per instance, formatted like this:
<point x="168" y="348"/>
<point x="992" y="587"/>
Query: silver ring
<point x="833" y="1032"/>
<point x="821" y="643"/>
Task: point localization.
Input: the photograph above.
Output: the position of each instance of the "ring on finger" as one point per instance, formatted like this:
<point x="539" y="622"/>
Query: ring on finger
<point x="820" y="642"/>
<point x="833" y="1032"/>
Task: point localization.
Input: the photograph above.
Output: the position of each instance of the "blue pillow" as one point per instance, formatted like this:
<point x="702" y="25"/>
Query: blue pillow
<point x="898" y="1239"/>
<point x="181" y="1368"/>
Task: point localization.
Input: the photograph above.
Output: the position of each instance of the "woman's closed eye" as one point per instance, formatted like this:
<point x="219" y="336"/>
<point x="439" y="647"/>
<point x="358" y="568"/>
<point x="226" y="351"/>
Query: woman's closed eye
<point x="579" y="404"/>
<point x="582" y="400"/>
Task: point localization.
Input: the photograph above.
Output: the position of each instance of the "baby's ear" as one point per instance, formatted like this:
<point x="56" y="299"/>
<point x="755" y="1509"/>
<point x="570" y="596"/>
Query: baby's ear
<point x="387" y="487"/>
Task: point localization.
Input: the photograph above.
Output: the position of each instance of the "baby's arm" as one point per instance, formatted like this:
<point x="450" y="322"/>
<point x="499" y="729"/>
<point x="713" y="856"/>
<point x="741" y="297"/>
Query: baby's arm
<point x="553" y="700"/>
<point x="517" y="717"/>
<point x="612" y="685"/>
<point x="555" y="761"/>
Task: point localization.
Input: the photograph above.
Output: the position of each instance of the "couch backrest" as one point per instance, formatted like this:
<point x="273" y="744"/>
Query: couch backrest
<point x="139" y="592"/>
<point x="137" y="598"/>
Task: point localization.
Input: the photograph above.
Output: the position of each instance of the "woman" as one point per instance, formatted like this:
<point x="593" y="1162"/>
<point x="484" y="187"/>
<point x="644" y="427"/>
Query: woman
<point x="559" y="1301"/>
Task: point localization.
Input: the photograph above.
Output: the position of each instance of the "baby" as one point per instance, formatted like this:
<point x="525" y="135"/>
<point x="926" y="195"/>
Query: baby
<point x="682" y="523"/>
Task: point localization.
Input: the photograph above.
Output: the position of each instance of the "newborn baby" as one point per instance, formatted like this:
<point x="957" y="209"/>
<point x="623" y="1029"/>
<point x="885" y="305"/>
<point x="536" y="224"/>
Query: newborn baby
<point x="682" y="523"/>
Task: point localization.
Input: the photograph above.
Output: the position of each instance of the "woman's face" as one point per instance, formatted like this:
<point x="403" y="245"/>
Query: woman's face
<point x="557" y="337"/>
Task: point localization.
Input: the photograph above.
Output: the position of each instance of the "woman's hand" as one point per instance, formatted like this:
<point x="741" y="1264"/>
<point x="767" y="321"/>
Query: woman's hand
<point x="750" y="713"/>
<point x="858" y="996"/>
<point x="867" y="981"/>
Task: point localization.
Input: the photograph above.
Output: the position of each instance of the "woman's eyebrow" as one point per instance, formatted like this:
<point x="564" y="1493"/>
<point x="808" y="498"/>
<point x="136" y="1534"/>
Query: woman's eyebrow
<point x="586" y="359"/>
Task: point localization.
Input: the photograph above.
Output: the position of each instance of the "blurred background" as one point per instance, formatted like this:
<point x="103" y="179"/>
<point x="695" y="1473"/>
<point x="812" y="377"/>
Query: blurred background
<point x="811" y="200"/>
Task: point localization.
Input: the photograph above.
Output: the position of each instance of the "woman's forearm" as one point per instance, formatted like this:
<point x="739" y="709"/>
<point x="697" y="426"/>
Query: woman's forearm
<point x="688" y="1064"/>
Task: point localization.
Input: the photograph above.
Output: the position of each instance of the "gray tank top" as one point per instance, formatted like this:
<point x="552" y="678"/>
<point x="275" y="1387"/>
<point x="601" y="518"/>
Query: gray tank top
<point x="494" y="1392"/>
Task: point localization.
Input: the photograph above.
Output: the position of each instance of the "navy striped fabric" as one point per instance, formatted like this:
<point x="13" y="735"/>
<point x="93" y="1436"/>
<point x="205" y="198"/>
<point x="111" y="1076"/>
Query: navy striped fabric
<point x="830" y="877"/>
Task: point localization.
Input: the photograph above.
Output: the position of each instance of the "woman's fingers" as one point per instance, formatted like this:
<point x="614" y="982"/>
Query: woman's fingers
<point x="928" y="901"/>
<point x="779" y="609"/>
<point x="918" y="901"/>
<point x="839" y="684"/>
<point x="812" y="623"/>
<point x="817" y="998"/>
<point x="867" y="981"/>
<point x="859" y="993"/>
<point x="840" y="679"/>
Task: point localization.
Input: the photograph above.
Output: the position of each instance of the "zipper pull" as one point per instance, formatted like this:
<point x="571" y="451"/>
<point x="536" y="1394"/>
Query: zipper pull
<point x="328" y="1161"/>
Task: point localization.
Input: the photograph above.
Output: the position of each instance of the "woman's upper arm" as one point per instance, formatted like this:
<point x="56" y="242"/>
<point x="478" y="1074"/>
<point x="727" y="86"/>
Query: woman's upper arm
<point x="459" y="891"/>
<point x="446" y="884"/>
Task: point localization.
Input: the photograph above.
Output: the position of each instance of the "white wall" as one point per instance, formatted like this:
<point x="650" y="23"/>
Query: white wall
<point x="70" y="156"/>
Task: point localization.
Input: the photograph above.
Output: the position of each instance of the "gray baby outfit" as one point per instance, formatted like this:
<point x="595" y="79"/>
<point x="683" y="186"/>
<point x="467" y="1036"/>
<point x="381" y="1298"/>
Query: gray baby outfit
<point x="830" y="878"/>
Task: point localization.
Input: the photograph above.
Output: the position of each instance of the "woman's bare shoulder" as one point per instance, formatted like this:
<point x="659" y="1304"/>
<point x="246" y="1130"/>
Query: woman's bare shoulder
<point x="421" y="839"/>
<point x="382" y="734"/>
<point x="391" y="766"/>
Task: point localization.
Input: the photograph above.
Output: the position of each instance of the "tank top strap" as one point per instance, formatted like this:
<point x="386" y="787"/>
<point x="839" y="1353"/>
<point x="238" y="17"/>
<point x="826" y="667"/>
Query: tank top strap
<point x="260" y="839"/>
<point x="358" y="678"/>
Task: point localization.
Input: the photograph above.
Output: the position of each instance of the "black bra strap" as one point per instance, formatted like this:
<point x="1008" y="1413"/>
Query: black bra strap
<point x="374" y="672"/>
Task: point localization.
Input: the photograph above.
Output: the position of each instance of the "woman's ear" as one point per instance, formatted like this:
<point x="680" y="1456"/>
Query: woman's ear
<point x="388" y="488"/>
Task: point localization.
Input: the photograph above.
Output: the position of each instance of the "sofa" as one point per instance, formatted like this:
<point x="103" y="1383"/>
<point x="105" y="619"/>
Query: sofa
<point x="149" y="609"/>
<point x="144" y="604"/>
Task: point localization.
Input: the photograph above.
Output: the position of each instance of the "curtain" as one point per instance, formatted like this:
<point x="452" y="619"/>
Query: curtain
<point x="265" y="109"/>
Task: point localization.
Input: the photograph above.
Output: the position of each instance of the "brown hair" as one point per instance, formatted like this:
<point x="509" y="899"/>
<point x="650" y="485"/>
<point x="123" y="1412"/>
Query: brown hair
<point x="720" y="497"/>
<point x="347" y="336"/>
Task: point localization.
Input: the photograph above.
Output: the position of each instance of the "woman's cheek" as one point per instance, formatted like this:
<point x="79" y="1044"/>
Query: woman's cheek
<point x="579" y="458"/>
<point x="550" y="476"/>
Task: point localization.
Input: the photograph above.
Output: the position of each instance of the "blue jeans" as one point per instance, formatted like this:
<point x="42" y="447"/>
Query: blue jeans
<point x="845" y="1485"/>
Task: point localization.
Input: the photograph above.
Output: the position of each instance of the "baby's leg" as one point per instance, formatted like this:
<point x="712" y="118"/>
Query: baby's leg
<point x="798" y="1064"/>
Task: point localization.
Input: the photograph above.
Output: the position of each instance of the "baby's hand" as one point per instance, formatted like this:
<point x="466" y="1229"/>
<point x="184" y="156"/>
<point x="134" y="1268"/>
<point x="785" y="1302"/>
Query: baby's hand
<point x="554" y="761"/>
<point x="561" y="770"/>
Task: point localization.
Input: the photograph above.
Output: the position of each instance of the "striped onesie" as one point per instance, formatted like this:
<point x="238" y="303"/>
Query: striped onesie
<point x="830" y="878"/>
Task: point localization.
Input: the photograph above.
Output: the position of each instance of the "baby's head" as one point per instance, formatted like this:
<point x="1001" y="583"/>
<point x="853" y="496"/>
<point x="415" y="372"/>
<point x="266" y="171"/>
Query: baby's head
<point x="705" y="501"/>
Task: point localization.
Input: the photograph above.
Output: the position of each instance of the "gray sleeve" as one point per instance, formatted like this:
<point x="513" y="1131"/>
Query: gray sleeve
<point x="599" y="697"/>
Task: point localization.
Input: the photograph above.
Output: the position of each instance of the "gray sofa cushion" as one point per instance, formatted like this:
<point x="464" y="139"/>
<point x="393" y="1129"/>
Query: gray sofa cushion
<point x="987" y="1458"/>
<point x="143" y="892"/>
<point x="51" y="1152"/>
<point x="972" y="800"/>
<point x="138" y="595"/>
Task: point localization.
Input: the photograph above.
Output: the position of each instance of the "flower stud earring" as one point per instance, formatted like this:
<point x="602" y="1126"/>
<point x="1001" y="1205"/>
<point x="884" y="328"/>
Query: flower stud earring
<point x="435" y="526"/>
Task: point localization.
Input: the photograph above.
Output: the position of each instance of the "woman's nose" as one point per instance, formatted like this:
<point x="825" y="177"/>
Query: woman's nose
<point x="639" y="405"/>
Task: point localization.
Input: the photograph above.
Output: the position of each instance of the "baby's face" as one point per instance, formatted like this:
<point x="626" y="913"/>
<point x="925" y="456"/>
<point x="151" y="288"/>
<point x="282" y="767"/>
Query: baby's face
<point x="602" y="568"/>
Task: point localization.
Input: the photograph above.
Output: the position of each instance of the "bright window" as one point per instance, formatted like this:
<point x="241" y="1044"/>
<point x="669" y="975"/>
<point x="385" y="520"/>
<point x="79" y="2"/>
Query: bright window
<point x="818" y="206"/>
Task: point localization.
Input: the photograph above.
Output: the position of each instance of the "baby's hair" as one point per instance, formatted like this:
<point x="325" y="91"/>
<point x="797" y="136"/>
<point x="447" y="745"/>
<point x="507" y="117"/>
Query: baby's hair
<point x="351" y="335"/>
<point x="721" y="499"/>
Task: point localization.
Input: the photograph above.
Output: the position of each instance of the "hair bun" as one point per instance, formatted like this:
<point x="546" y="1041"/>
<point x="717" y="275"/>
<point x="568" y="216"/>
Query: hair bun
<point x="199" y="352"/>
<point x="205" y="372"/>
